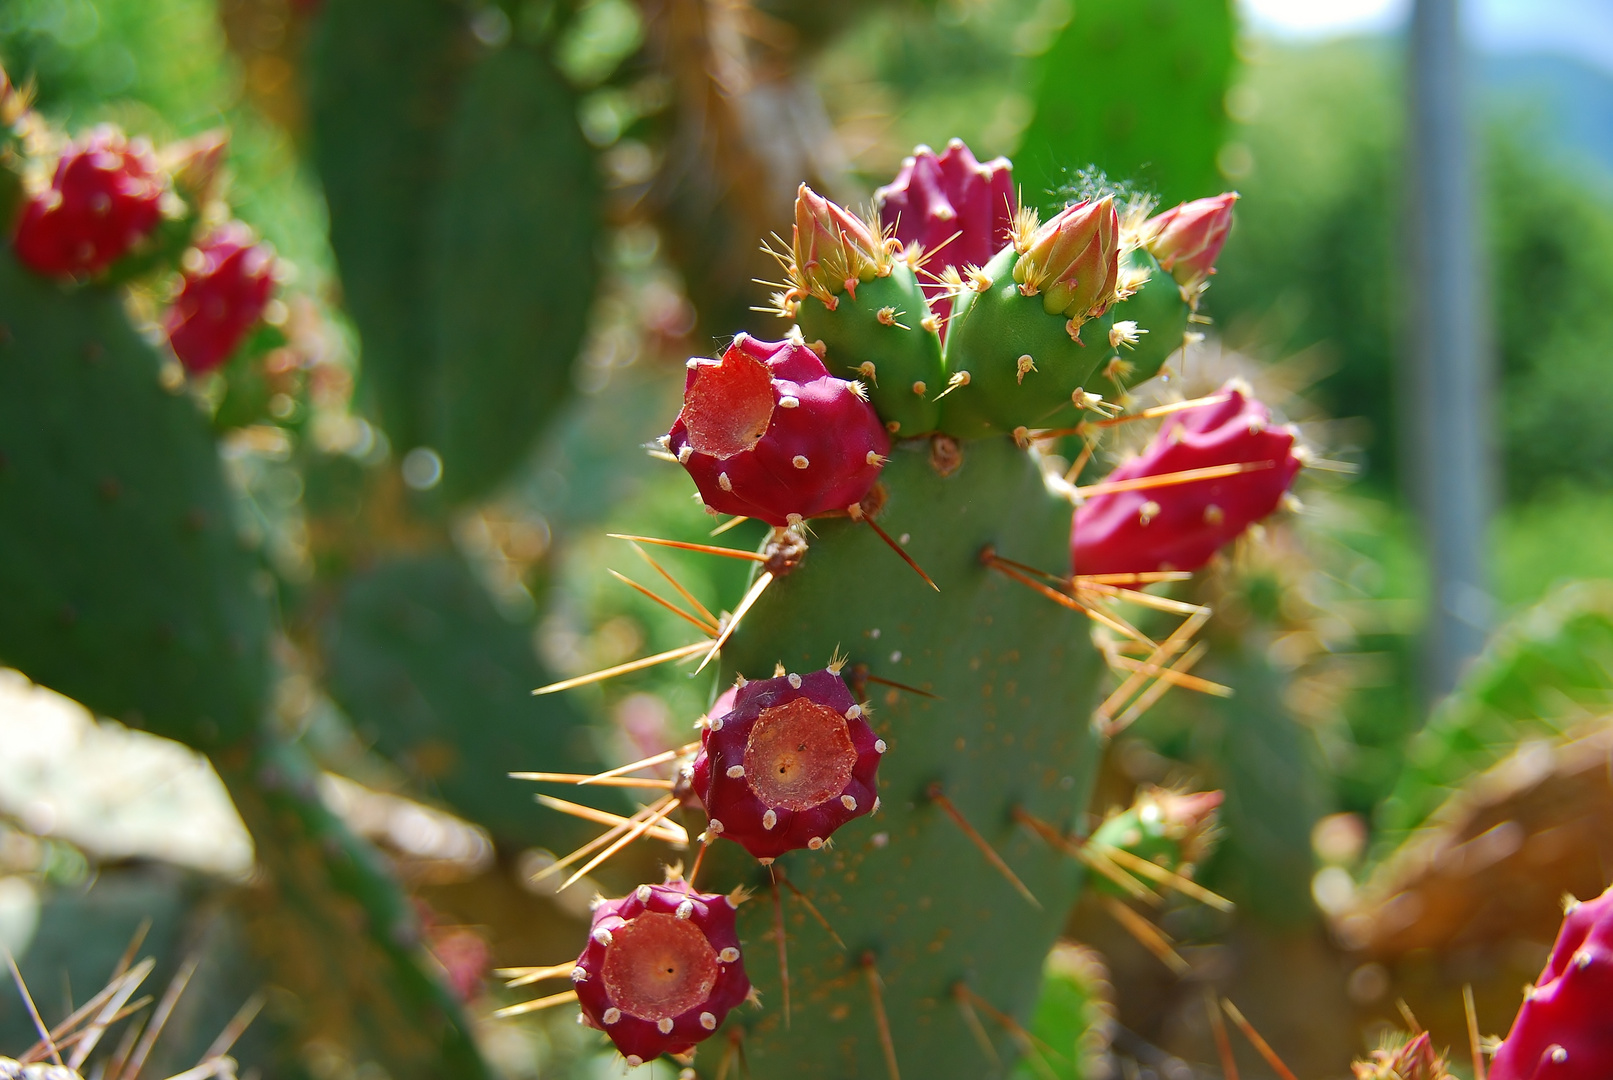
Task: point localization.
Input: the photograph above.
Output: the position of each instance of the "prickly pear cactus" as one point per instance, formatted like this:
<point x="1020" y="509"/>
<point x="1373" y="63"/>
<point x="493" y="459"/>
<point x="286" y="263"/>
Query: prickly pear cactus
<point x="974" y="679"/>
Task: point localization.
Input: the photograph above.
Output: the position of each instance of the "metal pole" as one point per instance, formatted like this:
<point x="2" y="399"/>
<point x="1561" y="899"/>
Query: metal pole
<point x="1450" y="416"/>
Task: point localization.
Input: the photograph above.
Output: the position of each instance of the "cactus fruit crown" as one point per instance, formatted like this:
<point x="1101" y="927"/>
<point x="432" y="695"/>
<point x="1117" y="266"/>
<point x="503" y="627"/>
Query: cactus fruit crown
<point x="820" y="427"/>
<point x="787" y="762"/>
<point x="767" y="432"/>
<point x="662" y="968"/>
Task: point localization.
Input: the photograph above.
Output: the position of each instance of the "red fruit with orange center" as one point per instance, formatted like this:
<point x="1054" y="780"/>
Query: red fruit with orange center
<point x="766" y="432"/>
<point x="105" y="197"/>
<point x="662" y="969"/>
<point x="789" y="762"/>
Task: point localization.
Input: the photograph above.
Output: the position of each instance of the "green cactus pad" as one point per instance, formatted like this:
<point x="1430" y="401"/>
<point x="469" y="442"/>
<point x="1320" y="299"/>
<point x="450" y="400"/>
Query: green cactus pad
<point x="1137" y="89"/>
<point x="338" y="930"/>
<point x="903" y="353"/>
<point x="419" y="658"/>
<point x="988" y="334"/>
<point x="1075" y="1017"/>
<point x="1014" y="677"/>
<point x="1159" y="309"/>
<point x="124" y="584"/>
<point x="471" y="318"/>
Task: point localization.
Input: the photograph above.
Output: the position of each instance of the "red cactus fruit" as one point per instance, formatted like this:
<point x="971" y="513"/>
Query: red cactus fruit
<point x="1072" y="260"/>
<point x="951" y="205"/>
<point x="788" y="762"/>
<point x="1187" y="238"/>
<point x="1564" y="1030"/>
<point x="1180" y="526"/>
<point x="766" y="432"/>
<point x="105" y="197"/>
<point x="228" y="282"/>
<point x="662" y="969"/>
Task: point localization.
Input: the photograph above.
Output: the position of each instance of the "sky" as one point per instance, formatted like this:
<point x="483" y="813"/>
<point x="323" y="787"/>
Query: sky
<point x="1580" y="28"/>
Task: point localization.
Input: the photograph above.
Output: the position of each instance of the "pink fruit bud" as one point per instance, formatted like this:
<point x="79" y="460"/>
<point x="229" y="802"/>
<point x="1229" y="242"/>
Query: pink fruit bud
<point x="228" y="281"/>
<point x="951" y="205"/>
<point x="1187" y="239"/>
<point x="1179" y="526"/>
<point x="1073" y="260"/>
<point x="1564" y="1030"/>
<point x="834" y="249"/>
<point x="106" y="196"/>
<point x="766" y="432"/>
<point x="790" y="761"/>
<point x="662" y="969"/>
<point x="1414" y="1059"/>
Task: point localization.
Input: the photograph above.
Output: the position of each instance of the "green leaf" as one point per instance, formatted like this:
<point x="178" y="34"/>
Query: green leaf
<point x="1014" y="677"/>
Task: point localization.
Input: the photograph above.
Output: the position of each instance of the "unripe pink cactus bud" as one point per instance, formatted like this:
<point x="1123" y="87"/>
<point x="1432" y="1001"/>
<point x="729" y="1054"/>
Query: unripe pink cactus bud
<point x="766" y="432"/>
<point x="790" y="761"/>
<point x="1073" y="260"/>
<point x="1187" y="238"/>
<point x="834" y="249"/>
<point x="662" y="969"/>
<point x="105" y="197"/>
<point x="1414" y="1059"/>
<point x="1564" y="1030"/>
<point x="227" y="284"/>
<point x="1179" y="526"/>
<point x="951" y="205"/>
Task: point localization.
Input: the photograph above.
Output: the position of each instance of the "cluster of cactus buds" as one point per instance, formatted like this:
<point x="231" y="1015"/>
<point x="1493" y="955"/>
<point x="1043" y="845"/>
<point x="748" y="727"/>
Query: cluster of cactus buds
<point x="104" y="198"/>
<point x="661" y="970"/>
<point x="786" y="761"/>
<point x="1222" y="465"/>
<point x="228" y="281"/>
<point x="1562" y="1031"/>
<point x="766" y="432"/>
